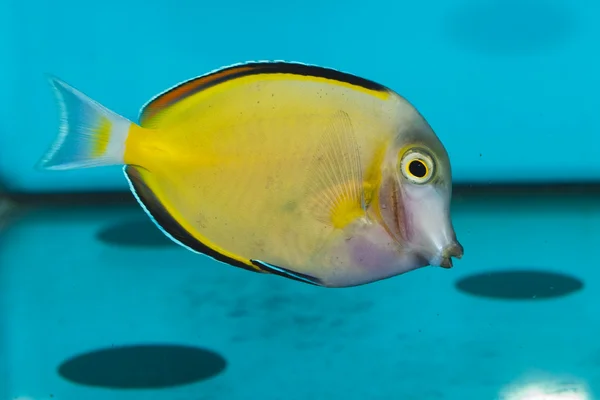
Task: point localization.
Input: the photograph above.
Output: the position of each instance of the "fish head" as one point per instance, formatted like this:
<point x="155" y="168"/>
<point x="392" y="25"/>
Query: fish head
<point x="414" y="197"/>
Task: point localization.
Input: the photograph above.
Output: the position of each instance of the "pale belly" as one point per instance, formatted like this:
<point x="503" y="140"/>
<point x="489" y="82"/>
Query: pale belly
<point x="361" y="254"/>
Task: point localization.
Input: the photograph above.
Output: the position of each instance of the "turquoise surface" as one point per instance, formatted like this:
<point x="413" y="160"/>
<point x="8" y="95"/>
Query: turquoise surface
<point x="509" y="85"/>
<point x="74" y="281"/>
<point x="97" y="304"/>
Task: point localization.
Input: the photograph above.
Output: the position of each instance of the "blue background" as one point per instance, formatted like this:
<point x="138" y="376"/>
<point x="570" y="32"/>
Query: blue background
<point x="509" y="86"/>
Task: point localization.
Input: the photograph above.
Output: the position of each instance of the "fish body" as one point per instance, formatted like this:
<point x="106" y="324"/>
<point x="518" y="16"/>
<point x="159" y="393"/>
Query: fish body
<point x="278" y="167"/>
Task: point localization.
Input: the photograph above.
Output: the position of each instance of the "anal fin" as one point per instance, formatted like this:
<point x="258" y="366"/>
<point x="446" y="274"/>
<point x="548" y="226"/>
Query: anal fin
<point x="169" y="225"/>
<point x="272" y="269"/>
<point x="334" y="185"/>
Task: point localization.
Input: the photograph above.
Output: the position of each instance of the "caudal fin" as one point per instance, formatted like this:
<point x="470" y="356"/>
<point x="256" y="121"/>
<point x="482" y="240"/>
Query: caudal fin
<point x="90" y="135"/>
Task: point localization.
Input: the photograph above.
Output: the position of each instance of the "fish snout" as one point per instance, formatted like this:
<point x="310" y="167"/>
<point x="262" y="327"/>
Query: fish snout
<point x="429" y="225"/>
<point x="454" y="249"/>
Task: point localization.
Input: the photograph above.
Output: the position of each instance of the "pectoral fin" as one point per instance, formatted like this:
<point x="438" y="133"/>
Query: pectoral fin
<point x="335" y="176"/>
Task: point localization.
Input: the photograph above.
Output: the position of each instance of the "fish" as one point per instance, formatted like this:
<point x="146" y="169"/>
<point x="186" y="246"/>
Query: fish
<point x="277" y="167"/>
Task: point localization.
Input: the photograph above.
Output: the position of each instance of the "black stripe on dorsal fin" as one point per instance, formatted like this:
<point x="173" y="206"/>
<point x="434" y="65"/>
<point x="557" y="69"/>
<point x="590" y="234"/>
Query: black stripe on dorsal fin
<point x="195" y="85"/>
<point x="168" y="225"/>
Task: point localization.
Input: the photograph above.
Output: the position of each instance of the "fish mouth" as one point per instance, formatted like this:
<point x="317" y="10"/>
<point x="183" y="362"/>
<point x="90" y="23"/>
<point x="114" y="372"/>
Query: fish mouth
<point x="455" y="250"/>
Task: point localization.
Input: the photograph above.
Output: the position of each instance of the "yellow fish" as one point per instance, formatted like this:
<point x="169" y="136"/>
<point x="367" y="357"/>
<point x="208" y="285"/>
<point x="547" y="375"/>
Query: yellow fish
<point x="278" y="167"/>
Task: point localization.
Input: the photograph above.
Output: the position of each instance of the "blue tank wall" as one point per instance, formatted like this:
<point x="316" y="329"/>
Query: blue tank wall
<point x="510" y="86"/>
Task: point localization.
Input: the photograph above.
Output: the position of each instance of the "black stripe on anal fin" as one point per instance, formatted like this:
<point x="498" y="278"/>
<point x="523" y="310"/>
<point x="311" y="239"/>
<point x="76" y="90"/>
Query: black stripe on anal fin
<point x="272" y="269"/>
<point x="168" y="224"/>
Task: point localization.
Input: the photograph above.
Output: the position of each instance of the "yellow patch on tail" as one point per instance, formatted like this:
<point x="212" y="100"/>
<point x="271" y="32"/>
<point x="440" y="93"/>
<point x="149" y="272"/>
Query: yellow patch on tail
<point x="102" y="132"/>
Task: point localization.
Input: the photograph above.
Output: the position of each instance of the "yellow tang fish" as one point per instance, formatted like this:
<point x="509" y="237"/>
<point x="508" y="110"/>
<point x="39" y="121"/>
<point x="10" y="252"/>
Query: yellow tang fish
<point x="278" y="167"/>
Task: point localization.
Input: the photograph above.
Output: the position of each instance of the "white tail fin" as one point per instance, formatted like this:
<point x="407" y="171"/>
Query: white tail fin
<point x="90" y="135"/>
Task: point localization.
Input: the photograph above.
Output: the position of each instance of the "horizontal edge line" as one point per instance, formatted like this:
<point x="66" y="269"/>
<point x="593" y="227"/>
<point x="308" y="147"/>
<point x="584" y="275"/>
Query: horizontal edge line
<point x="460" y="189"/>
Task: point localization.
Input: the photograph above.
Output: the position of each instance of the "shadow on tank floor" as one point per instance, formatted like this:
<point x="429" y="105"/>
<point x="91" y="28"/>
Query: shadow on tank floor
<point x="94" y="298"/>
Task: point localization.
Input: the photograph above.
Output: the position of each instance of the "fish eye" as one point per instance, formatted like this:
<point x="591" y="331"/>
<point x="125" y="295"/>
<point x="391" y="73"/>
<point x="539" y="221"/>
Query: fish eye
<point x="417" y="167"/>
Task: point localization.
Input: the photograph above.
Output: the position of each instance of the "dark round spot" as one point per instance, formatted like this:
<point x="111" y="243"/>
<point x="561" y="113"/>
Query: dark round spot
<point x="142" y="367"/>
<point x="511" y="26"/>
<point x="417" y="168"/>
<point x="519" y="285"/>
<point x="140" y="232"/>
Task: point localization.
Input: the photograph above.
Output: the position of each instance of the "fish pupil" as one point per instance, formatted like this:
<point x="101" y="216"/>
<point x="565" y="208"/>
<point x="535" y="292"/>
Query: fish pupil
<point x="417" y="168"/>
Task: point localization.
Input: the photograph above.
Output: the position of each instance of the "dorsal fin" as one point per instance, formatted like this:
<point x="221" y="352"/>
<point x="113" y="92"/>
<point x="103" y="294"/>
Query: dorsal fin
<point x="195" y="85"/>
